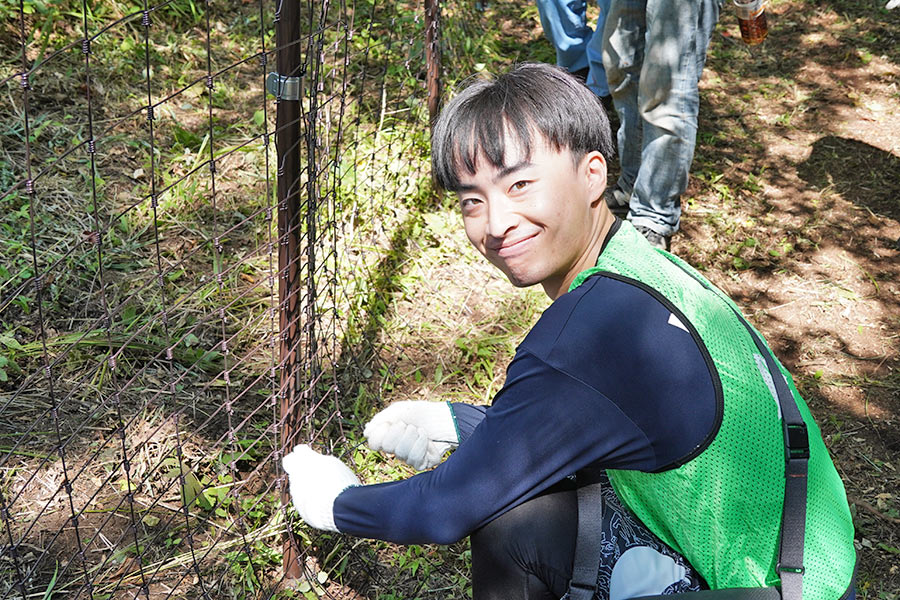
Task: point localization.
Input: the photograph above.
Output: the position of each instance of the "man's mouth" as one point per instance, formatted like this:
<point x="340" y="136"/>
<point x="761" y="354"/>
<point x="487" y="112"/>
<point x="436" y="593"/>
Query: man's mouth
<point x="510" y="248"/>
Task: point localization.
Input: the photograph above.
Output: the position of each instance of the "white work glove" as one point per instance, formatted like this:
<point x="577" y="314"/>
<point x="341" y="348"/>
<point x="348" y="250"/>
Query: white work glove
<point x="892" y="4"/>
<point x="315" y="480"/>
<point x="418" y="432"/>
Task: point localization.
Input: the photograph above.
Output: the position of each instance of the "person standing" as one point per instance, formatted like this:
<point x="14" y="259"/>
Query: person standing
<point x="579" y="49"/>
<point x="654" y="52"/>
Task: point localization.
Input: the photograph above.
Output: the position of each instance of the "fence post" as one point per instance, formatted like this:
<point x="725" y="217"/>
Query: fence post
<point x="287" y="144"/>
<point x="433" y="56"/>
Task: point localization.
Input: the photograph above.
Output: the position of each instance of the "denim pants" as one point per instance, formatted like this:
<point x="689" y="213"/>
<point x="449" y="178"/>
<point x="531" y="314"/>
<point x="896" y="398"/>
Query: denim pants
<point x="577" y="46"/>
<point x="654" y="52"/>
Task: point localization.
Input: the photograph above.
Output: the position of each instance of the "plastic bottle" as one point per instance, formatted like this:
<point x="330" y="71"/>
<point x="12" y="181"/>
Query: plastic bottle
<point x="751" y="16"/>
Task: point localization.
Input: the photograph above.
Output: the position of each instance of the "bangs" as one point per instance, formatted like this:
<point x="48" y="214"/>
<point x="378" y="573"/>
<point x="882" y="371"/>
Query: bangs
<point x="488" y="140"/>
<point x="489" y="118"/>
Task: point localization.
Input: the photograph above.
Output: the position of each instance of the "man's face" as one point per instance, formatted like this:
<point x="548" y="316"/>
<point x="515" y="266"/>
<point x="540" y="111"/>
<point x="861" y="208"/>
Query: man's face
<point x="536" y="219"/>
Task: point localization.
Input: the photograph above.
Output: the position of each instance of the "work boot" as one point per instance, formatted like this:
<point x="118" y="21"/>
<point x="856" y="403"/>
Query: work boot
<point x="656" y="240"/>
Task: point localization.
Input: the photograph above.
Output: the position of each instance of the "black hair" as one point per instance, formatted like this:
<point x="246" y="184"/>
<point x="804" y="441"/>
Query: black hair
<point x="532" y="98"/>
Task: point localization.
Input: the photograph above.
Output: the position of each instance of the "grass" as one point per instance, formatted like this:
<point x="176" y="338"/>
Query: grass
<point x="139" y="382"/>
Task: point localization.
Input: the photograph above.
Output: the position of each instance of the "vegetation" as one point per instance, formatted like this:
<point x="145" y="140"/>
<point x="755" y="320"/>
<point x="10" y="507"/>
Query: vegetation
<point x="139" y="366"/>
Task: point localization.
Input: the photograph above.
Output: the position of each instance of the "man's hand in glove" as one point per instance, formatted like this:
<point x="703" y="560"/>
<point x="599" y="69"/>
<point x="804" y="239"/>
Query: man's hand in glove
<point x="315" y="480"/>
<point x="418" y="432"/>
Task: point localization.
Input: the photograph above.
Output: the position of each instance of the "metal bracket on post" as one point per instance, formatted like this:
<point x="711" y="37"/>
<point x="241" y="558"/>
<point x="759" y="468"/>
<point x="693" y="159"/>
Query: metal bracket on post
<point x="283" y="87"/>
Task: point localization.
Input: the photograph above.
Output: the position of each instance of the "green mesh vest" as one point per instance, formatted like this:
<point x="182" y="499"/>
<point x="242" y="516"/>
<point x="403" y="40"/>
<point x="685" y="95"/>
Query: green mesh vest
<point x="722" y="509"/>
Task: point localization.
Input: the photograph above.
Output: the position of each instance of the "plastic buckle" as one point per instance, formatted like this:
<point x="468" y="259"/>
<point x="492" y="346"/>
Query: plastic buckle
<point x="586" y="591"/>
<point x="780" y="568"/>
<point x="797" y="441"/>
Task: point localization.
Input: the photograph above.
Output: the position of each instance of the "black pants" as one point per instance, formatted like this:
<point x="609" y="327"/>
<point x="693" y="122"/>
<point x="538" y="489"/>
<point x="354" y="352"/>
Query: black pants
<point x="527" y="553"/>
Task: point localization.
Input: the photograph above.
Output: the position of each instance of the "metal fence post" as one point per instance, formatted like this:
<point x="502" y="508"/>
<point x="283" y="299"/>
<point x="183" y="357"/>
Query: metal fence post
<point x="287" y="143"/>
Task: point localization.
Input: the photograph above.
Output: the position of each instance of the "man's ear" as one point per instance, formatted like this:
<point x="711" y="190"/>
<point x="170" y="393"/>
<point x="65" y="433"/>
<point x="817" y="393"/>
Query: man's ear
<point x="595" y="170"/>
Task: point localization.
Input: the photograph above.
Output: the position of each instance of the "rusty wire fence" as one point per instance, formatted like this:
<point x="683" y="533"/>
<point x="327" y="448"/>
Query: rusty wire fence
<point x="192" y="278"/>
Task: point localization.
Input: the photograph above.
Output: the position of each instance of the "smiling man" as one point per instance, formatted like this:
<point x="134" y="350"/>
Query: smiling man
<point x="640" y="376"/>
<point x="519" y="218"/>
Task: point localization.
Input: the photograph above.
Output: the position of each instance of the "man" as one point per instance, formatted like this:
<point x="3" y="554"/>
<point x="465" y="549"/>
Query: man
<point x="579" y="49"/>
<point x="654" y="52"/>
<point x="639" y="369"/>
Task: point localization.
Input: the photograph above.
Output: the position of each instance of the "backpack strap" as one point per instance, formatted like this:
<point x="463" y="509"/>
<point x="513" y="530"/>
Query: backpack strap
<point x="590" y="529"/>
<point x="796" y="450"/>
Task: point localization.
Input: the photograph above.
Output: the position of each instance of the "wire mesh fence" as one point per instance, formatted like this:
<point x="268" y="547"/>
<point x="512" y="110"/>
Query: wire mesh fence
<point x="180" y="302"/>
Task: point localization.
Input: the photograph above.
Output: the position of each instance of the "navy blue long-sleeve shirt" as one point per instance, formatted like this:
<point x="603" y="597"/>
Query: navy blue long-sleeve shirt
<point x="608" y="377"/>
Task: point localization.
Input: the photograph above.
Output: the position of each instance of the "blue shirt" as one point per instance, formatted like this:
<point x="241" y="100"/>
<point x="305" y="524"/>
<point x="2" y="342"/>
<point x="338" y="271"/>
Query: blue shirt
<point x="607" y="377"/>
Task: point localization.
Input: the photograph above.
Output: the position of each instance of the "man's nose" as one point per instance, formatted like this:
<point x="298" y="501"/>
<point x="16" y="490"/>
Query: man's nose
<point x="501" y="216"/>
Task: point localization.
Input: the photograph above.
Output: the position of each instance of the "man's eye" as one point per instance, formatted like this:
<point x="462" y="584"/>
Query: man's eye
<point x="468" y="202"/>
<point x="520" y="185"/>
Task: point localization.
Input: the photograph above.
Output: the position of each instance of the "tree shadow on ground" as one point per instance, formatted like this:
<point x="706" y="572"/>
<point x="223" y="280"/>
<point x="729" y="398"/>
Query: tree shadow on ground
<point x="861" y="173"/>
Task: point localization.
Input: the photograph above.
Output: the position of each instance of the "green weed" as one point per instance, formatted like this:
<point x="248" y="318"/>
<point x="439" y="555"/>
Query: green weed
<point x="244" y="565"/>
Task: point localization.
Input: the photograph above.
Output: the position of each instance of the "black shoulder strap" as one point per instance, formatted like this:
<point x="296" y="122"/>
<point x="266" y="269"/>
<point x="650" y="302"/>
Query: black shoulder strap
<point x="590" y="528"/>
<point x="796" y="464"/>
<point x="796" y="448"/>
<point x="793" y="522"/>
